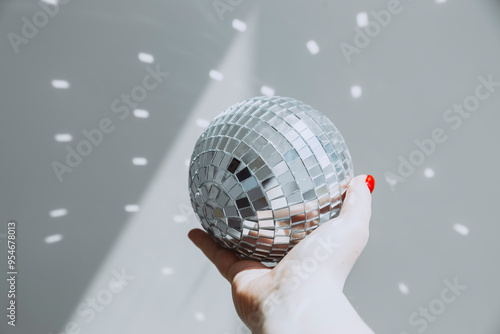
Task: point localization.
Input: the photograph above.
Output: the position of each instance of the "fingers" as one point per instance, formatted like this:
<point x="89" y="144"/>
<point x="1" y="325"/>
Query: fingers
<point x="357" y="204"/>
<point x="222" y="258"/>
<point x="228" y="264"/>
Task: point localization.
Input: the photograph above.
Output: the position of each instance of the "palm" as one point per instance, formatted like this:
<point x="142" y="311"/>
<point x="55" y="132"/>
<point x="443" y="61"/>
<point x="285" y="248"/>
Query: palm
<point x="252" y="282"/>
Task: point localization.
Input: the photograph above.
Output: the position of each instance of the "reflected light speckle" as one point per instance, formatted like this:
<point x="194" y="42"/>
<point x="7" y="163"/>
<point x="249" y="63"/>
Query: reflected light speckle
<point x="63" y="137"/>
<point x="356" y="91"/>
<point x="179" y="218"/>
<point x="266" y="90"/>
<point x="429" y="173"/>
<point x="60" y="84"/>
<point x="461" y="229"/>
<point x="216" y="75"/>
<point x="141" y="113"/>
<point x="202" y="123"/>
<point x="403" y="288"/>
<point x="362" y="19"/>
<point x="132" y="208"/>
<point x="313" y="47"/>
<point x="139" y="161"/>
<point x="239" y="25"/>
<point x="167" y="271"/>
<point x="146" y="57"/>
<point x="53" y="238"/>
<point x="58" y="213"/>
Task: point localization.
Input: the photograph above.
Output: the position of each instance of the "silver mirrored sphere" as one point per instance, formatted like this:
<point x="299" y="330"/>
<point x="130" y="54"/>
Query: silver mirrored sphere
<point x="266" y="173"/>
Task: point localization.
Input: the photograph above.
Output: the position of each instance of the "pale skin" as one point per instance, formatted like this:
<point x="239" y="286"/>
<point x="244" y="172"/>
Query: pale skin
<point x="303" y="293"/>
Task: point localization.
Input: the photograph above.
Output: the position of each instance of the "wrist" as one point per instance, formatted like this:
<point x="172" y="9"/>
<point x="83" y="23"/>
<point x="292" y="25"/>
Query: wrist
<point x="304" y="310"/>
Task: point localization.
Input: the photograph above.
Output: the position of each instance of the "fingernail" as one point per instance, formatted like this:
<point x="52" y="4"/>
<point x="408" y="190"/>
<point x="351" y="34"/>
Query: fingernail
<point x="191" y="235"/>
<point x="370" y="182"/>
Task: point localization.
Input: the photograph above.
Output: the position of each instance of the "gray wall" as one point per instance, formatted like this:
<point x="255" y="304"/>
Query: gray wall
<point x="431" y="225"/>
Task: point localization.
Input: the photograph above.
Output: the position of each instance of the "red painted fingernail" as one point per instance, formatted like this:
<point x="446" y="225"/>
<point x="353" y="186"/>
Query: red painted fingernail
<point x="370" y="182"/>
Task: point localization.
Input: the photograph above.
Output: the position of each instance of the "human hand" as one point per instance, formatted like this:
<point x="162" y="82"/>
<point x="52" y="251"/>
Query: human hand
<point x="303" y="292"/>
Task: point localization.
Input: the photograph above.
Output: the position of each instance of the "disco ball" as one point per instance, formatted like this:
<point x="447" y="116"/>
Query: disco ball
<point x="266" y="173"/>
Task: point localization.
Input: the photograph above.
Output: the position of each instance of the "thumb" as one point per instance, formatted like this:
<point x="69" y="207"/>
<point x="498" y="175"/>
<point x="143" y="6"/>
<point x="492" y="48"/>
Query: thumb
<point x="357" y="203"/>
<point x="350" y="230"/>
